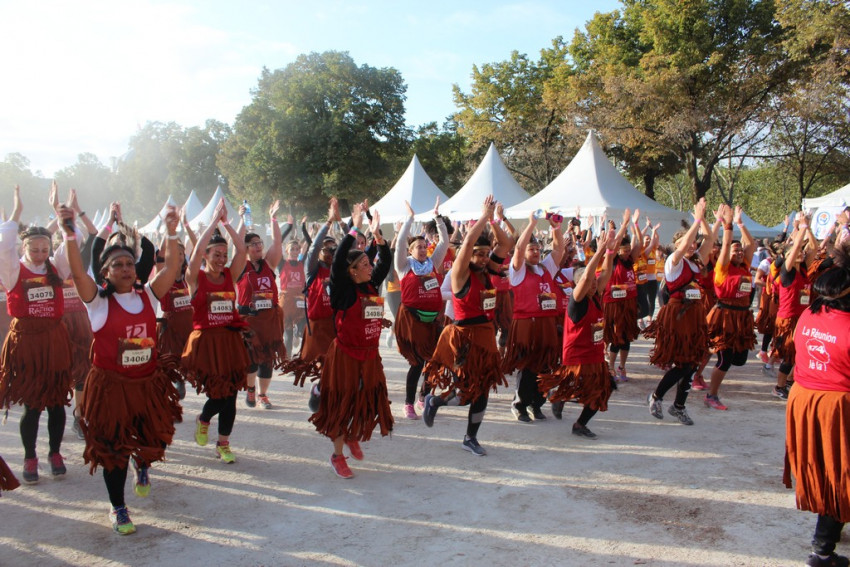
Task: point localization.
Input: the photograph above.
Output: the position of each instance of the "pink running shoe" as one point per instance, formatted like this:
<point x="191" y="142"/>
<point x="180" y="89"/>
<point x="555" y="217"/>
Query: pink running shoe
<point x="621" y="376"/>
<point x="699" y="383"/>
<point x="763" y="357"/>
<point x="420" y="404"/>
<point x="341" y="467"/>
<point x="356" y="451"/>
<point x="714" y="402"/>
<point x="409" y="412"/>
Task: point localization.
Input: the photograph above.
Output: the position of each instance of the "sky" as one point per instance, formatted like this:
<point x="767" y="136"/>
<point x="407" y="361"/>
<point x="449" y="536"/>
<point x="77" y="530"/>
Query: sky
<point x="83" y="76"/>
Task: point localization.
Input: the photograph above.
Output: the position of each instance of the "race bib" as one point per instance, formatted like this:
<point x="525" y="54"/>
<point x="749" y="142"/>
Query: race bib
<point x="693" y="293"/>
<point x="547" y="301"/>
<point x="805" y="296"/>
<point x="597" y="331"/>
<point x="430" y="284"/>
<point x="41" y="293"/>
<point x="301" y="304"/>
<point x="745" y="286"/>
<point x="641" y="277"/>
<point x="70" y="293"/>
<point x="373" y="307"/>
<point x="262" y="301"/>
<point x="135" y="352"/>
<point x="651" y="262"/>
<point x="617" y="293"/>
<point x="488" y="299"/>
<point x="182" y="301"/>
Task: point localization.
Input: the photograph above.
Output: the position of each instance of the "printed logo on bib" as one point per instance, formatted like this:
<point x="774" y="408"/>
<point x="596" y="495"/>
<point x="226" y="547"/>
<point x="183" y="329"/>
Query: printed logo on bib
<point x="263" y="300"/>
<point x="597" y="328"/>
<point x="488" y="299"/>
<point x="547" y="301"/>
<point x="135" y="351"/>
<point x="372" y="306"/>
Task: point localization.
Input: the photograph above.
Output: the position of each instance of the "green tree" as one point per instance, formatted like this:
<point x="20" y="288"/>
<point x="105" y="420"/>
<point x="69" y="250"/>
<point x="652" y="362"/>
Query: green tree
<point x="15" y="170"/>
<point x="92" y="180"/>
<point x="320" y="126"/>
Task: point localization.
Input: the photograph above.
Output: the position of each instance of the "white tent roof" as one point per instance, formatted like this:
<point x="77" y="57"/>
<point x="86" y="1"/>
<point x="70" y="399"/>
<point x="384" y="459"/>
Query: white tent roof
<point x="838" y="198"/>
<point x="95" y="220"/>
<point x="591" y="182"/>
<point x="205" y="216"/>
<point x="154" y="225"/>
<point x="193" y="206"/>
<point x="104" y="218"/>
<point x="415" y="187"/>
<point x="491" y="177"/>
<point x="756" y="230"/>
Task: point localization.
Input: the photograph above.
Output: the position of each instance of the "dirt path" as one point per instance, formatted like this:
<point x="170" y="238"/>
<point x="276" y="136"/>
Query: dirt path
<point x="646" y="492"/>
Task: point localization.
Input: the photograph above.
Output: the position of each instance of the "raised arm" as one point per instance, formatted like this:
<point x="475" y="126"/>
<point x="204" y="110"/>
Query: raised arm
<point x="164" y="278"/>
<point x="460" y="268"/>
<point x="402" y="266"/>
<point x="194" y="267"/>
<point x="193" y="238"/>
<point x="637" y="240"/>
<point x="583" y="285"/>
<point x="747" y="240"/>
<point x="18" y="206"/>
<point x="522" y="243"/>
<point x="690" y="236"/>
<point x="86" y="287"/>
<point x="275" y="251"/>
<point x="442" y="246"/>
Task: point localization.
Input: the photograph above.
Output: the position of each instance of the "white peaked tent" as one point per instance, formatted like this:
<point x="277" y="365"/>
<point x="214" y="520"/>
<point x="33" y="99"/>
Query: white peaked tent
<point x="192" y="206"/>
<point x="838" y="198"/>
<point x="153" y="227"/>
<point x="756" y="230"/>
<point x="205" y="216"/>
<point x="95" y="220"/>
<point x="591" y="182"/>
<point x="104" y="218"/>
<point x="415" y="187"/>
<point x="491" y="177"/>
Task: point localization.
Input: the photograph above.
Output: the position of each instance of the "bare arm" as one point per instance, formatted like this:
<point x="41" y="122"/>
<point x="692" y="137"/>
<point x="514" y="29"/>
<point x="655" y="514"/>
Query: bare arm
<point x="164" y="278"/>
<point x="460" y="268"/>
<point x="275" y="251"/>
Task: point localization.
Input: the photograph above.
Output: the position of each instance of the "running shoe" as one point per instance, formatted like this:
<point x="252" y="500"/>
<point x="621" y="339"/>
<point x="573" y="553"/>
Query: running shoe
<point x="471" y="444"/>
<point x="121" y="522"/>
<point x="655" y="407"/>
<point x="313" y="402"/>
<point x="224" y="453"/>
<point x="251" y="398"/>
<point x="420" y="404"/>
<point x="355" y="450"/>
<point x="781" y="393"/>
<point x="57" y="464"/>
<point x="77" y="429"/>
<point x="264" y="401"/>
<point x="409" y="412"/>
<point x="832" y="560"/>
<point x="537" y="413"/>
<point x="621" y="376"/>
<point x="341" y="467"/>
<point x="699" y="383"/>
<point x="583" y="431"/>
<point x="681" y="414"/>
<point x="520" y="413"/>
<point x="558" y="409"/>
<point x="31" y="470"/>
<point x="763" y="357"/>
<point x="432" y="404"/>
<point x="714" y="402"/>
<point x="142" y="486"/>
<point x="767" y="369"/>
<point x="202" y="429"/>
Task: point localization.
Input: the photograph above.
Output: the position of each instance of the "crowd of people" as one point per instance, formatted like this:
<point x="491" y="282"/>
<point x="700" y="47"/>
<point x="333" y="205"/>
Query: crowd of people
<point x="556" y="306"/>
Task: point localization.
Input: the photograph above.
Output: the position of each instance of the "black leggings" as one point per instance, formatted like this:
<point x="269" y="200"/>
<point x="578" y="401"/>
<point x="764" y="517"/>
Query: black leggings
<point x="263" y="370"/>
<point x="617" y="348"/>
<point x="642" y="300"/>
<point x="527" y="391"/>
<point x="225" y="408"/>
<point x="680" y="377"/>
<point x="586" y="415"/>
<point x="412" y="381"/>
<point x="115" y="480"/>
<point x="651" y="294"/>
<point x="729" y="358"/>
<point x="29" y="429"/>
<point x="827" y="534"/>
<point x="476" y="415"/>
<point x="765" y="343"/>
<point x="289" y="332"/>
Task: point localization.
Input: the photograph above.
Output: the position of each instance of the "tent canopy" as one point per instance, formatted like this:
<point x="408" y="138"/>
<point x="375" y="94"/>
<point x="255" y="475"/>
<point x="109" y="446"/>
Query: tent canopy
<point x="592" y="183"/>
<point x="838" y="198"/>
<point x="156" y="223"/>
<point x="192" y="207"/>
<point x="756" y="230"/>
<point x="491" y="177"/>
<point x="205" y="216"/>
<point x="415" y="187"/>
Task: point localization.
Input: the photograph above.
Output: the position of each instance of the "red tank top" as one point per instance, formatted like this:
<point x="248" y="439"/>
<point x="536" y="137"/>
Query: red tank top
<point x="318" y="300"/>
<point x="502" y="283"/>
<point x="73" y="303"/>
<point x="736" y="288"/>
<point x="292" y="276"/>
<point x="822" y="345"/>
<point x="535" y="296"/>
<point x="685" y="286"/>
<point x="622" y="285"/>
<point x="32" y="296"/>
<point x="215" y="304"/>
<point x="479" y="301"/>
<point x="127" y="342"/>
<point x="794" y="299"/>
<point x="358" y="328"/>
<point x="421" y="292"/>
<point x="583" y="341"/>
<point x="448" y="260"/>
<point x="177" y="298"/>
<point x="256" y="289"/>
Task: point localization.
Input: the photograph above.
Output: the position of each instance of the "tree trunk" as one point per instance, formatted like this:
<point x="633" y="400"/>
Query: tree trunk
<point x="649" y="184"/>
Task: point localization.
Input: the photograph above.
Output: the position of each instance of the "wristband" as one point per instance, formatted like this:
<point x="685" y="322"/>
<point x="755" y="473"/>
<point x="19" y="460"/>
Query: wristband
<point x="353" y="232"/>
<point x="803" y="226"/>
<point x="172" y="237"/>
<point x="727" y="226"/>
<point x="274" y="219"/>
<point x="494" y="222"/>
<point x="609" y="252"/>
<point x="69" y="236"/>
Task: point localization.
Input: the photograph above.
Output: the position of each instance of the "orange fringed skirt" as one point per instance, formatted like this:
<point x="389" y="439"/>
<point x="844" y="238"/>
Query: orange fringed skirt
<point x="8" y="481"/>
<point x="291" y="313"/>
<point x="680" y="333"/>
<point x="354" y="397"/>
<point x="318" y="336"/>
<point x="533" y="345"/>
<point x="621" y="321"/>
<point x="268" y="337"/>
<point x="35" y="364"/>
<point x="467" y="360"/>
<point x="730" y="329"/>
<point x="416" y="340"/>
<point x="80" y="335"/>
<point x="128" y="417"/>
<point x="783" y="340"/>
<point x="173" y="331"/>
<point x="503" y="313"/>
<point x="216" y="361"/>
<point x="817" y="450"/>
<point x="590" y="384"/>
<point x="766" y="318"/>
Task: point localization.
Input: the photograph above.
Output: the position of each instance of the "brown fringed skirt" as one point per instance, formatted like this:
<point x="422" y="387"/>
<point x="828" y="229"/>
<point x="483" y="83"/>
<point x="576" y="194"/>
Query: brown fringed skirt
<point x="35" y="364"/>
<point x="80" y="335"/>
<point x="504" y="310"/>
<point x="533" y="345"/>
<point x="128" y="417"/>
<point x="291" y="313"/>
<point x="8" y="481"/>
<point x="416" y="340"/>
<point x="318" y="336"/>
<point x="680" y="333"/>
<point x="621" y="326"/>
<point x="354" y="397"/>
<point x="216" y="361"/>
<point x="268" y="337"/>
<point x="173" y="331"/>
<point x="467" y="360"/>
<point x="590" y="384"/>
<point x="817" y="450"/>
<point x="783" y="340"/>
<point x="730" y="329"/>
<point x="5" y="322"/>
<point x="766" y="319"/>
